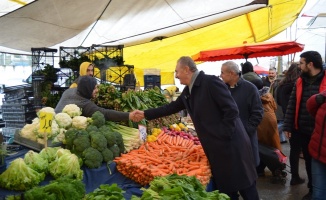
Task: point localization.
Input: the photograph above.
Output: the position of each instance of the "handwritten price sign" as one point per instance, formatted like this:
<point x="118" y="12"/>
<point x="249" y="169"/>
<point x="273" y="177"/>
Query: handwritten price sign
<point x="45" y="122"/>
<point x="142" y="132"/>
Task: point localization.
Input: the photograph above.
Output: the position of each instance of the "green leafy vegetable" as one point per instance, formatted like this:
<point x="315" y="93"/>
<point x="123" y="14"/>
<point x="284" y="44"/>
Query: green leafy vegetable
<point x="106" y="192"/>
<point x="19" y="176"/>
<point x="60" y="189"/>
<point x="36" y="161"/>
<point x="66" y="164"/>
<point x="179" y="187"/>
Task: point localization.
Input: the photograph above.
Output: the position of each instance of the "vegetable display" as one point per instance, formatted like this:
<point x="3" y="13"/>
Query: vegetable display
<point x="179" y="187"/>
<point x="59" y="125"/>
<point x="109" y="97"/>
<point x="96" y="143"/>
<point x="23" y="174"/>
<point x="167" y="155"/>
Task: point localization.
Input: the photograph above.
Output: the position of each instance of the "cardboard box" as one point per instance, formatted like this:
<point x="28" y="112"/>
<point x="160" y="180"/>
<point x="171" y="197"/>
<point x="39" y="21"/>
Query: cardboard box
<point x="151" y="71"/>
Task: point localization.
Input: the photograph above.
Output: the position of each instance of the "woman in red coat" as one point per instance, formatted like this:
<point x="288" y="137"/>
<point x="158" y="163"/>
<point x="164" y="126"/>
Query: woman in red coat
<point x="316" y="105"/>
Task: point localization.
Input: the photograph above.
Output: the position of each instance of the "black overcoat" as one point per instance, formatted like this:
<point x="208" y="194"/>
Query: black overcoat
<point x="216" y="119"/>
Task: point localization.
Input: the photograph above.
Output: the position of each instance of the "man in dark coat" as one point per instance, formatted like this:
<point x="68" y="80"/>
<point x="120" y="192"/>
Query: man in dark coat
<point x="246" y="95"/>
<point x="216" y="119"/>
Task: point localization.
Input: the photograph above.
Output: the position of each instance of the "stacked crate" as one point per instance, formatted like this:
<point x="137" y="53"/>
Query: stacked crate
<point x="17" y="109"/>
<point x="152" y="78"/>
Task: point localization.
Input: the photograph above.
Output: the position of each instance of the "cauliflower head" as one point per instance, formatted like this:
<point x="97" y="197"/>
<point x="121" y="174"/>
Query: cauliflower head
<point x="28" y="132"/>
<point x="36" y="120"/>
<point x="60" y="137"/>
<point x="63" y="120"/>
<point x="72" y="110"/>
<point x="80" y="122"/>
<point x="46" y="110"/>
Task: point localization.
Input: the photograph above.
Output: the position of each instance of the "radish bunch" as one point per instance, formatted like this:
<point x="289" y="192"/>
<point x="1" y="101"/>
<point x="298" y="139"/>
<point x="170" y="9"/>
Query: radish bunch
<point x="183" y="134"/>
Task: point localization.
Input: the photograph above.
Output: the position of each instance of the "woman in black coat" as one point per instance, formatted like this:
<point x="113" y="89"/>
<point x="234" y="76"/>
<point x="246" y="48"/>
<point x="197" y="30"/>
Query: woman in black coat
<point x="285" y="86"/>
<point x="216" y="119"/>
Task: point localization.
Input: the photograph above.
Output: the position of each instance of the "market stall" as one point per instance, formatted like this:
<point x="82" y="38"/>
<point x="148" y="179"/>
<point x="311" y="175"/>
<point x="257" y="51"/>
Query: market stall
<point x="111" y="153"/>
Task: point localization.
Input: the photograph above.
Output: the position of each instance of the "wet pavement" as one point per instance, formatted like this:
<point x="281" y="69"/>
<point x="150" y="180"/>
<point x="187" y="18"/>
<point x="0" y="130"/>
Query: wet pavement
<point x="279" y="191"/>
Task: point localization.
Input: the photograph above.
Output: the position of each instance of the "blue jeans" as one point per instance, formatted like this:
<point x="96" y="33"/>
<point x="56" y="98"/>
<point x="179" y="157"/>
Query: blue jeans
<point x="318" y="171"/>
<point x="280" y="131"/>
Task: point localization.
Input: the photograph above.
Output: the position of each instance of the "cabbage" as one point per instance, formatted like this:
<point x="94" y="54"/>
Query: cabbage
<point x="66" y="164"/>
<point x="49" y="153"/>
<point x="36" y="161"/>
<point x="19" y="176"/>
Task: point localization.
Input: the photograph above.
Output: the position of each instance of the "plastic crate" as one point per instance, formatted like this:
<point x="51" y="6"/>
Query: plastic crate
<point x="151" y="81"/>
<point x="8" y="140"/>
<point x="18" y="94"/>
<point x="18" y="101"/>
<point x="9" y="132"/>
<point x="18" y="117"/>
<point x="14" y="124"/>
<point x="16" y="108"/>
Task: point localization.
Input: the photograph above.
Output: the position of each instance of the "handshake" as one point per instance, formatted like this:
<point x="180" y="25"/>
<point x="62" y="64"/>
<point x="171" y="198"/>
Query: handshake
<point x="136" y="115"/>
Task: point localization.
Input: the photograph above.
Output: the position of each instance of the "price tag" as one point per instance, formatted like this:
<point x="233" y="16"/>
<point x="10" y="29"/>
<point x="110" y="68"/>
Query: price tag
<point x="45" y="122"/>
<point x="142" y="132"/>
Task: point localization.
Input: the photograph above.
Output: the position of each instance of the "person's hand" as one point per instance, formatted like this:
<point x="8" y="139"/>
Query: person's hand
<point x="136" y="115"/>
<point x="139" y="114"/>
<point x="287" y="134"/>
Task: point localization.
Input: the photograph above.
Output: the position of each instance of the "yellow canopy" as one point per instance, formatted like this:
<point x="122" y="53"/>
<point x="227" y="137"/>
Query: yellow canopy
<point x="256" y="26"/>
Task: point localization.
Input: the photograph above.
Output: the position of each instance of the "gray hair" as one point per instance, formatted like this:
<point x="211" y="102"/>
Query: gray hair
<point x="188" y="61"/>
<point x="232" y="66"/>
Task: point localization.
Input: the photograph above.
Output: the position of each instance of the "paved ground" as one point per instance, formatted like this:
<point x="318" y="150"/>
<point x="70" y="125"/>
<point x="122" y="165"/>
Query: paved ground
<point x="270" y="191"/>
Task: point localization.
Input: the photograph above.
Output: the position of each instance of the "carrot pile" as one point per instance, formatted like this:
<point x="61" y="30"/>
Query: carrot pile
<point x="167" y="155"/>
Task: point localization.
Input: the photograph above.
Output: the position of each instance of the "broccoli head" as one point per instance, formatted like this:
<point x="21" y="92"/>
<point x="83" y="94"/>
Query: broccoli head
<point x="91" y="128"/>
<point x="70" y="135"/>
<point x="110" y="138"/>
<point x="115" y="150"/>
<point x="107" y="155"/>
<point x="92" y="158"/>
<point x="80" y="143"/>
<point x="105" y="128"/>
<point x="98" y="119"/>
<point x="98" y="141"/>
<point x="83" y="133"/>
<point x="118" y="137"/>
<point x="121" y="147"/>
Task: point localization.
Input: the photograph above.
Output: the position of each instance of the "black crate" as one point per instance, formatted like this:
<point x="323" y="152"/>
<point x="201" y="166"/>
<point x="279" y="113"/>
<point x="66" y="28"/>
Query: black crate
<point x="23" y="101"/>
<point x="115" y="53"/>
<point x="18" y="117"/>
<point x="15" y="124"/>
<point x="16" y="108"/>
<point x="151" y="81"/>
<point x="13" y="95"/>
